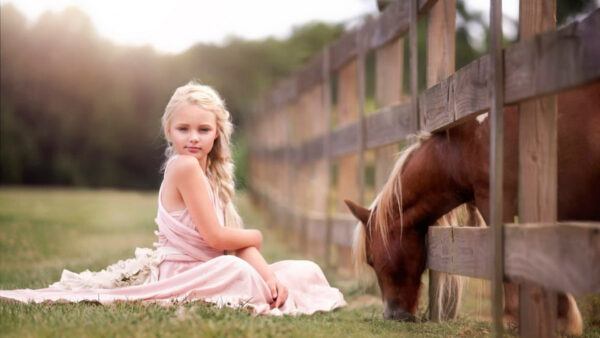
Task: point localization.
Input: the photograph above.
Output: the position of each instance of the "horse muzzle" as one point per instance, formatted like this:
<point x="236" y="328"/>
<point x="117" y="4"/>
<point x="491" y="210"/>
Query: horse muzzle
<point x="398" y="314"/>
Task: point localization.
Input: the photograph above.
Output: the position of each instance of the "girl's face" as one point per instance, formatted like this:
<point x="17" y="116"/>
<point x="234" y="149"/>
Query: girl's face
<point x="193" y="131"/>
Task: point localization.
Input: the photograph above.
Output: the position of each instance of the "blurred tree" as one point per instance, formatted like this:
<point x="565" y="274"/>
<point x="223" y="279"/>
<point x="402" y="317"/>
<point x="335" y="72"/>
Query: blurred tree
<point x="78" y="110"/>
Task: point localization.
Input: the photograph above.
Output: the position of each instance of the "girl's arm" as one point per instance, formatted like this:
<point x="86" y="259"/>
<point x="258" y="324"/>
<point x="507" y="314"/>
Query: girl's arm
<point x="186" y="174"/>
<point x="278" y="291"/>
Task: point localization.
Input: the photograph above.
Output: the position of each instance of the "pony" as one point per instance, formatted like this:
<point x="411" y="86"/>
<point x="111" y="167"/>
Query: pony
<point x="447" y="172"/>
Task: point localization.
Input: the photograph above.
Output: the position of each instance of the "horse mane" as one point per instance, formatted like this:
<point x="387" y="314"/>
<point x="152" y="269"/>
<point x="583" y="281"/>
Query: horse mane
<point x="389" y="196"/>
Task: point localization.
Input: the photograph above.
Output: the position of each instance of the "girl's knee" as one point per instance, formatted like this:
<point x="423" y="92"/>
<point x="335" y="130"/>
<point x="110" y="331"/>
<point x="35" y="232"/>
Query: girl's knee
<point x="307" y="266"/>
<point x="238" y="264"/>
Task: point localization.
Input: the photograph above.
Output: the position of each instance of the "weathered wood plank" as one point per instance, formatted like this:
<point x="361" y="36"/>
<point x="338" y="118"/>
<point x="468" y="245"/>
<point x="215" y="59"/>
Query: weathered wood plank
<point x="314" y="197"/>
<point x="344" y="140"/>
<point x="562" y="256"/>
<point x="460" y="250"/>
<point x="348" y="165"/>
<point x="414" y="65"/>
<point x="316" y="233"/>
<point x="294" y="154"/>
<point x="311" y="74"/>
<point x="327" y="150"/>
<point x="389" y="70"/>
<point x="440" y="41"/>
<point x="295" y="227"/>
<point x="390" y="125"/>
<point x="343" y="50"/>
<point x="537" y="173"/>
<point x="496" y="156"/>
<point x="440" y="64"/>
<point x="342" y="229"/>
<point x="554" y="61"/>
<point x="316" y="227"/>
<point x="392" y="23"/>
<point x="285" y="92"/>
<point x="546" y="64"/>
<point x="434" y="106"/>
<point x="389" y="67"/>
<point x="470" y="86"/>
<point x="313" y="150"/>
<point x="362" y="45"/>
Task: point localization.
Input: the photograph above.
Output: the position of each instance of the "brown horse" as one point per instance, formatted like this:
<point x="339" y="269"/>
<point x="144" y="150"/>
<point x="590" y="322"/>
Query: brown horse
<point x="445" y="170"/>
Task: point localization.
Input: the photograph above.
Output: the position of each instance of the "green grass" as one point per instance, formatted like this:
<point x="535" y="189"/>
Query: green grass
<point x="43" y="231"/>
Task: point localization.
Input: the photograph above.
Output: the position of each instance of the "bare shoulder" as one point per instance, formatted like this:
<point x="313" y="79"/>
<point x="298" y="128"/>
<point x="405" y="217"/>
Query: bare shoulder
<point x="184" y="162"/>
<point x="184" y="166"/>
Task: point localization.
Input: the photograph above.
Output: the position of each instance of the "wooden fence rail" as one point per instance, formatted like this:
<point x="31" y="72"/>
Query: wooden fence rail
<point x="312" y="133"/>
<point x="533" y="252"/>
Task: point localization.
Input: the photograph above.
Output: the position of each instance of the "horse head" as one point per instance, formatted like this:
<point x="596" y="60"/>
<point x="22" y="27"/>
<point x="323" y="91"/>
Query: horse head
<point x="398" y="262"/>
<point x="391" y="234"/>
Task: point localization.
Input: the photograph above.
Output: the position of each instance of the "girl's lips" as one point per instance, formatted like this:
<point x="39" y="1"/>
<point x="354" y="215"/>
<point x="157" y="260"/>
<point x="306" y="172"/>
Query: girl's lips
<point x="193" y="149"/>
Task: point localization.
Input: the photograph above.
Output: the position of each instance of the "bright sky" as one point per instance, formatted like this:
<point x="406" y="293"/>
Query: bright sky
<point x="172" y="26"/>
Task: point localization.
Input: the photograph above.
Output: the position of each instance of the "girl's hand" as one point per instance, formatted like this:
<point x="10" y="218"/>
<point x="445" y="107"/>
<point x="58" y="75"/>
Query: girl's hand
<point x="279" y="292"/>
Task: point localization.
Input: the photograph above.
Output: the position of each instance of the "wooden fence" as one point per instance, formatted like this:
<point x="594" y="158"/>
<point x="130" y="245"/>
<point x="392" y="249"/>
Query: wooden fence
<point x="313" y="132"/>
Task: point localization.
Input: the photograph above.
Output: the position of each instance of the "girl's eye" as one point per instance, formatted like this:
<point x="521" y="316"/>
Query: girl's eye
<point x="182" y="129"/>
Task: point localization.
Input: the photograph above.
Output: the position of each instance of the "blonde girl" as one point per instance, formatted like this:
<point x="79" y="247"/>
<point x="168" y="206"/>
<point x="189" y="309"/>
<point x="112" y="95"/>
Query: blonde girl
<point x="198" y="128"/>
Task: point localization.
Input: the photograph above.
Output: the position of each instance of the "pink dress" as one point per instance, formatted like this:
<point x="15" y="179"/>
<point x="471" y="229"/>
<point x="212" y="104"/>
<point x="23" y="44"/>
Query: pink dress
<point x="184" y="268"/>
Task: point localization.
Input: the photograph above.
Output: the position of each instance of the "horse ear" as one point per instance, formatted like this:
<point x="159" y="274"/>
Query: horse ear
<point x="359" y="212"/>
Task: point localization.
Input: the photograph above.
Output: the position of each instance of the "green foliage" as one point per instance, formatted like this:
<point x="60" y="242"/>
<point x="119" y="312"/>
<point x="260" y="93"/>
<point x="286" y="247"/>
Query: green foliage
<point x="79" y="110"/>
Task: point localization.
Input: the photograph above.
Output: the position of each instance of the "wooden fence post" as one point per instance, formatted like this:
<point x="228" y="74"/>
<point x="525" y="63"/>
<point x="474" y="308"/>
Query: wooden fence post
<point x="362" y="47"/>
<point x="347" y="181"/>
<point x="496" y="161"/>
<point x="326" y="87"/>
<point x="317" y="180"/>
<point x="537" y="173"/>
<point x="440" y="65"/>
<point x="414" y="64"/>
<point x="296" y="174"/>
<point x="389" y="66"/>
<point x="303" y="168"/>
<point x="290" y="167"/>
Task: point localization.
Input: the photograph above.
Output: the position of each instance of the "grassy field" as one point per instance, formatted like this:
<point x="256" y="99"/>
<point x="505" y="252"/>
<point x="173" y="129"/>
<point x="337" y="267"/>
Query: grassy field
<point x="43" y="231"/>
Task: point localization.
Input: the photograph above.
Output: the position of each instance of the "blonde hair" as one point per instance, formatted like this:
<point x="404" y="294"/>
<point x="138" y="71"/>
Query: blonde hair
<point x="219" y="162"/>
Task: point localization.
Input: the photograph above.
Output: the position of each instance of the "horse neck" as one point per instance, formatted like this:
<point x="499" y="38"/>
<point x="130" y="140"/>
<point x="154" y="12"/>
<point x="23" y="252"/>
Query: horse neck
<point x="434" y="181"/>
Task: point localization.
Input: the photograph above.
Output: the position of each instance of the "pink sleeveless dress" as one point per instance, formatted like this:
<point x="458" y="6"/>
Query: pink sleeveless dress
<point x="185" y="268"/>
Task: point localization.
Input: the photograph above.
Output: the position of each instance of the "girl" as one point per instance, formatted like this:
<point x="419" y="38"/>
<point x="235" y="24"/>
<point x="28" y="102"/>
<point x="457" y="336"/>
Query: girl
<point x="198" y="224"/>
